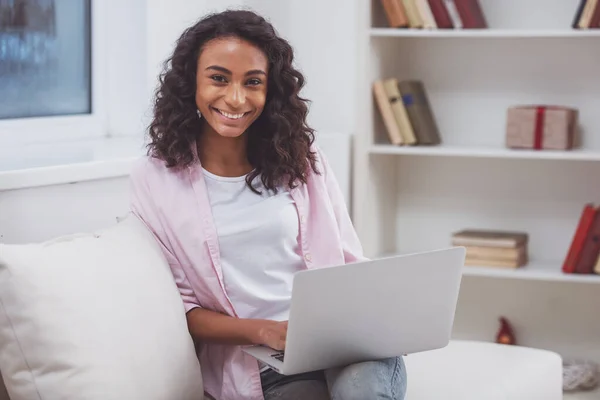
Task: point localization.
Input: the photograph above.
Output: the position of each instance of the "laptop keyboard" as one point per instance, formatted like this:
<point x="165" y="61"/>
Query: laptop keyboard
<point x="278" y="356"/>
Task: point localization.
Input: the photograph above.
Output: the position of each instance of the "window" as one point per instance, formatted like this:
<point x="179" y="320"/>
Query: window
<point x="70" y="71"/>
<point x="45" y="58"/>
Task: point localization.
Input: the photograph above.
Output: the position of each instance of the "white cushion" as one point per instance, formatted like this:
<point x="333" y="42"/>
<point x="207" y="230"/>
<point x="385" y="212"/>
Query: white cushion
<point x="471" y="370"/>
<point x="94" y="317"/>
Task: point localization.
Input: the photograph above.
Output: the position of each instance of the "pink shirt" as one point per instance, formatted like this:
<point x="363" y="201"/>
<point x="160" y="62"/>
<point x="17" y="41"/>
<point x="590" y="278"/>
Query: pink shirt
<point x="174" y="204"/>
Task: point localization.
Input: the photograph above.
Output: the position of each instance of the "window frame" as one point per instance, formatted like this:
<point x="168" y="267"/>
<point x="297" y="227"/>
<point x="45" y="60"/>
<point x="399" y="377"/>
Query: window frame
<point x="18" y="132"/>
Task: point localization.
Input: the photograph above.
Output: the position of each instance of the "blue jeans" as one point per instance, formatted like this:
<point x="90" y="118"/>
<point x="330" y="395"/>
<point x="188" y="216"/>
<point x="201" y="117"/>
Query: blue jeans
<point x="373" y="380"/>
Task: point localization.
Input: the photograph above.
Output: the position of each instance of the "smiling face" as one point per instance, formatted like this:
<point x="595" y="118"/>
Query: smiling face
<point x="231" y="85"/>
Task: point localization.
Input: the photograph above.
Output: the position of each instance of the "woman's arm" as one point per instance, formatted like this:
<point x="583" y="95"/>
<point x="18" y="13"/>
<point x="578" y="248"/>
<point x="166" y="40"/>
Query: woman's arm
<point x="213" y="327"/>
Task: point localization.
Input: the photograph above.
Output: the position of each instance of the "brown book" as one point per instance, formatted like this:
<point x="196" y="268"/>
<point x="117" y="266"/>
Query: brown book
<point x="419" y="111"/>
<point x="395" y="13"/>
<point x="496" y="253"/>
<point x="595" y="20"/>
<point x="474" y="262"/>
<point x="412" y="12"/>
<point x="489" y="238"/>
<point x="471" y="14"/>
<point x="400" y="114"/>
<point x="440" y="14"/>
<point x="385" y="110"/>
<point x="591" y="248"/>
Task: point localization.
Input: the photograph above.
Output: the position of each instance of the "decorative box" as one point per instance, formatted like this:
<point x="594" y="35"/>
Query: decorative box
<point x="541" y="127"/>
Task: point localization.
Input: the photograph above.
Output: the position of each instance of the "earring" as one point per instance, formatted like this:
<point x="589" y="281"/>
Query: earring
<point x="199" y="114"/>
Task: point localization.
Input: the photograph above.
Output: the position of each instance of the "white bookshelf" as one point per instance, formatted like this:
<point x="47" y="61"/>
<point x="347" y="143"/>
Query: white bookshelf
<point x="484" y="33"/>
<point x="584" y="395"/>
<point x="412" y="198"/>
<point x="487" y="152"/>
<point x="536" y="271"/>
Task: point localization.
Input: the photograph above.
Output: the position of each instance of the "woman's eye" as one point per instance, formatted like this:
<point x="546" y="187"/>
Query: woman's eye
<point x="254" y="82"/>
<point x="218" y="78"/>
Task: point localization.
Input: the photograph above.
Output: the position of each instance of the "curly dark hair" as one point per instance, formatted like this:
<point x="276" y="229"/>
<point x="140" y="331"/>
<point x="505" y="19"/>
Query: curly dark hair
<point x="279" y="141"/>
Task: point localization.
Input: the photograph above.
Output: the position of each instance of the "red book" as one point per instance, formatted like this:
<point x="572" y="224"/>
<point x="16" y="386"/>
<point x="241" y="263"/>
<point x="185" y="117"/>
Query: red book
<point x="591" y="248"/>
<point x="585" y="223"/>
<point x="440" y="14"/>
<point x="471" y="14"/>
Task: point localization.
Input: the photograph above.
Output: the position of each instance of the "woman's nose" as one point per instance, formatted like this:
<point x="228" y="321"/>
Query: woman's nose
<point x="235" y="96"/>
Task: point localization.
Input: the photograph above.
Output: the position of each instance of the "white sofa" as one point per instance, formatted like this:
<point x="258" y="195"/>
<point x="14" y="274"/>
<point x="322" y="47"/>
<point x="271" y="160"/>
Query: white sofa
<point x="97" y="317"/>
<point x="470" y="370"/>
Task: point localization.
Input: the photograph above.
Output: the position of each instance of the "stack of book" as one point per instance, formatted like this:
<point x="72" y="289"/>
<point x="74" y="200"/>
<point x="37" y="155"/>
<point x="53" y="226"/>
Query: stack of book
<point x="493" y="248"/>
<point x="406" y="112"/>
<point x="434" y="14"/>
<point x="587" y="15"/>
<point x="583" y="256"/>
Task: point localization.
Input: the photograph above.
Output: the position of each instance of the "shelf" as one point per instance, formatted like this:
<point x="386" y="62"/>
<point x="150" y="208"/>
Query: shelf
<point x="487" y="152"/>
<point x="536" y="271"/>
<point x="484" y="33"/>
<point x="583" y="395"/>
<point x="533" y="271"/>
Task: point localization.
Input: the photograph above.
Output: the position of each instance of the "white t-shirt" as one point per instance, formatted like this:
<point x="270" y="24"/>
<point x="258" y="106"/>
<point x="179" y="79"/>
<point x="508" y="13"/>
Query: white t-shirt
<point x="258" y="241"/>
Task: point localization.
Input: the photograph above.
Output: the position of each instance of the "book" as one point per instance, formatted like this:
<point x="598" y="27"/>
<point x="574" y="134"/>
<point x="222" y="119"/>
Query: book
<point x="395" y="13"/>
<point x="583" y="227"/>
<point x="597" y="265"/>
<point x="595" y="20"/>
<point x="385" y="110"/>
<point x="440" y="14"/>
<point x="471" y="14"/>
<point x="474" y="262"/>
<point x="453" y="13"/>
<point x="419" y="112"/>
<point x="575" y="23"/>
<point x="412" y="12"/>
<point x="401" y="116"/>
<point x="496" y="253"/>
<point x="489" y="256"/>
<point x="490" y="238"/>
<point x="591" y="247"/>
<point x="426" y="14"/>
<point x="587" y="14"/>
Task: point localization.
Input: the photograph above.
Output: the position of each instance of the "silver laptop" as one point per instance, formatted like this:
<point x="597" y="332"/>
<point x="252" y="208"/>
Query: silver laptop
<point x="369" y="310"/>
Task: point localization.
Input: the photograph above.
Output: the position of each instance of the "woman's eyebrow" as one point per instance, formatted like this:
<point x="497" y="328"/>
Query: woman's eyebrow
<point x="219" y="68"/>
<point x="256" y="72"/>
<point x="226" y="71"/>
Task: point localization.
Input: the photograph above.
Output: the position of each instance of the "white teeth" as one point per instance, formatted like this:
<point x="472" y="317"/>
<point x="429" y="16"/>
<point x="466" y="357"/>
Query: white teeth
<point x="232" y="116"/>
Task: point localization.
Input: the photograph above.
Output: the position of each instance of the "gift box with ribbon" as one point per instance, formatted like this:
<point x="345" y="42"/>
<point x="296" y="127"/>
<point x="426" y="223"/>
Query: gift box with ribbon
<point x="541" y="127"/>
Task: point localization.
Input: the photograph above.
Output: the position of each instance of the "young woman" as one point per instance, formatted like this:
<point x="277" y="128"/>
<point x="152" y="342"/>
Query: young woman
<point x="240" y="199"/>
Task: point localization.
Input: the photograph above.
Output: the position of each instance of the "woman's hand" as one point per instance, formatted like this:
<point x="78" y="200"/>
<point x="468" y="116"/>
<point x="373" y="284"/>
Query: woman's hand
<point x="272" y="334"/>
